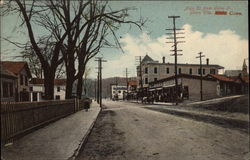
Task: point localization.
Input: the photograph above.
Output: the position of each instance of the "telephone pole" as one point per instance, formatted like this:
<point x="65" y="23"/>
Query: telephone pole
<point x="175" y="50"/>
<point x="200" y="56"/>
<point x="98" y="86"/>
<point x="138" y="59"/>
<point x="95" y="89"/>
<point x="140" y="90"/>
<point x="127" y="80"/>
<point x="100" y="60"/>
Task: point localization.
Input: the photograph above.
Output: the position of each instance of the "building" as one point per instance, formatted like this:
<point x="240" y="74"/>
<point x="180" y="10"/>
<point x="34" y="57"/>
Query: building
<point x="8" y="85"/>
<point x="225" y="85"/>
<point x="232" y="73"/>
<point x="153" y="70"/>
<point x="188" y="87"/>
<point x="37" y="89"/>
<point x="231" y="85"/>
<point x="22" y="72"/>
<point x="132" y="85"/>
<point x="117" y="92"/>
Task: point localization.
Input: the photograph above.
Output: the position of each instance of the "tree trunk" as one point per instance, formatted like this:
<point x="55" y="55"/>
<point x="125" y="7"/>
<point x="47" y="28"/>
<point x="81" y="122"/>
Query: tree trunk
<point x="69" y="86"/>
<point x="49" y="77"/>
<point x="81" y="70"/>
<point x="79" y="87"/>
<point x="70" y="79"/>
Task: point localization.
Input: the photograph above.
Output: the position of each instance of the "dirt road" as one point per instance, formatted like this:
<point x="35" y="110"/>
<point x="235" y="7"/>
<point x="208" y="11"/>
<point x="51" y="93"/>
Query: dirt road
<point x="128" y="131"/>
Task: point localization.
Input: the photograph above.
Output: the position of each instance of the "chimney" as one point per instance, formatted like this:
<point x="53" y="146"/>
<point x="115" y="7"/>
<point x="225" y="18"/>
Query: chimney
<point x="207" y="61"/>
<point x="163" y="59"/>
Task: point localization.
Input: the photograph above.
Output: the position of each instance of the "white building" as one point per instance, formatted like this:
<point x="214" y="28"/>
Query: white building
<point x="153" y="70"/>
<point x="117" y="92"/>
<point x="37" y="89"/>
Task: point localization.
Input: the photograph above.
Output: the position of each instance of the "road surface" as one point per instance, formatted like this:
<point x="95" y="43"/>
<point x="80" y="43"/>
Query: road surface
<point x="127" y="131"/>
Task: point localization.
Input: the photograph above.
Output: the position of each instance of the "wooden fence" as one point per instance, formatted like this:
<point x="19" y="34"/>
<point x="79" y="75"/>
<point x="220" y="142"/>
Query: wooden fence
<point x="18" y="118"/>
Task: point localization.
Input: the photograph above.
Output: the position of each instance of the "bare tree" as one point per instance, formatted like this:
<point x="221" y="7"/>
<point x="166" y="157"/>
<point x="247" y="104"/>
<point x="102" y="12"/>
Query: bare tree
<point x="79" y="28"/>
<point x="94" y="28"/>
<point x="28" y="54"/>
<point x="38" y="14"/>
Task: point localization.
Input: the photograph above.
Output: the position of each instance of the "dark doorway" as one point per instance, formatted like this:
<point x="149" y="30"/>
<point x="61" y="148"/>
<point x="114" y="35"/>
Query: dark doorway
<point x="34" y="96"/>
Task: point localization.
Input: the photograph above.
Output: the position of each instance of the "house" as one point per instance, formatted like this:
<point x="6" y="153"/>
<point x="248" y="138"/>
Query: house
<point x="8" y="85"/>
<point x="23" y="74"/>
<point x="37" y="89"/>
<point x="153" y="70"/>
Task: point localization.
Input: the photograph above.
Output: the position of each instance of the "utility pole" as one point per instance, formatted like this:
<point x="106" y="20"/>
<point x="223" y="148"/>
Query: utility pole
<point x="127" y="80"/>
<point x="200" y="56"/>
<point x="98" y="87"/>
<point x="138" y="59"/>
<point x="100" y="60"/>
<point x="95" y="89"/>
<point x="140" y="91"/>
<point x="175" y="50"/>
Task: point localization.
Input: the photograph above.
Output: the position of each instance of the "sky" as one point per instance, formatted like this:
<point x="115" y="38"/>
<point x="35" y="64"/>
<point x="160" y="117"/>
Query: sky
<point x="222" y="38"/>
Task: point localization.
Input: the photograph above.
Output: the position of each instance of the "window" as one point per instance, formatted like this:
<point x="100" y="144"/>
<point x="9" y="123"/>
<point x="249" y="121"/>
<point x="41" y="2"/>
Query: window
<point x="155" y="70"/>
<point x="146" y="80"/>
<point x="11" y="89"/>
<point x="119" y="91"/>
<point x="204" y="71"/>
<point x="26" y="80"/>
<point x="155" y="79"/>
<point x="199" y="71"/>
<point x="5" y="89"/>
<point x="21" y="79"/>
<point x="167" y="70"/>
<point x="212" y="71"/>
<point x="146" y="70"/>
<point x="58" y="89"/>
<point x="31" y="89"/>
<point x="190" y="70"/>
<point x="57" y="97"/>
<point x="179" y="70"/>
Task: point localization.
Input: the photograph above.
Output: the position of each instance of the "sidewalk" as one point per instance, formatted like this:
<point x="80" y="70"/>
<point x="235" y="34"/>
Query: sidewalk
<point x="60" y="140"/>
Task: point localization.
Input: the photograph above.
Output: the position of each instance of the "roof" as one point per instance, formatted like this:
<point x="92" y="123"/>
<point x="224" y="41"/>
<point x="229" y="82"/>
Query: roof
<point x="147" y="59"/>
<point x="58" y="82"/>
<point x="6" y="73"/>
<point x="230" y="73"/>
<point x="245" y="79"/>
<point x="181" y="76"/>
<point x="186" y="64"/>
<point x="132" y="83"/>
<point x="16" y="67"/>
<point x="221" y="78"/>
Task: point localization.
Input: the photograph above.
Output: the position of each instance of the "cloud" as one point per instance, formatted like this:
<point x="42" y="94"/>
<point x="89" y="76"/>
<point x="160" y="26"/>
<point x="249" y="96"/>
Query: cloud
<point x="225" y="48"/>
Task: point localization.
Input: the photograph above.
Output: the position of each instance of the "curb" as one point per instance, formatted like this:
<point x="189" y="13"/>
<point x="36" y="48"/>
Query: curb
<point x="84" y="139"/>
